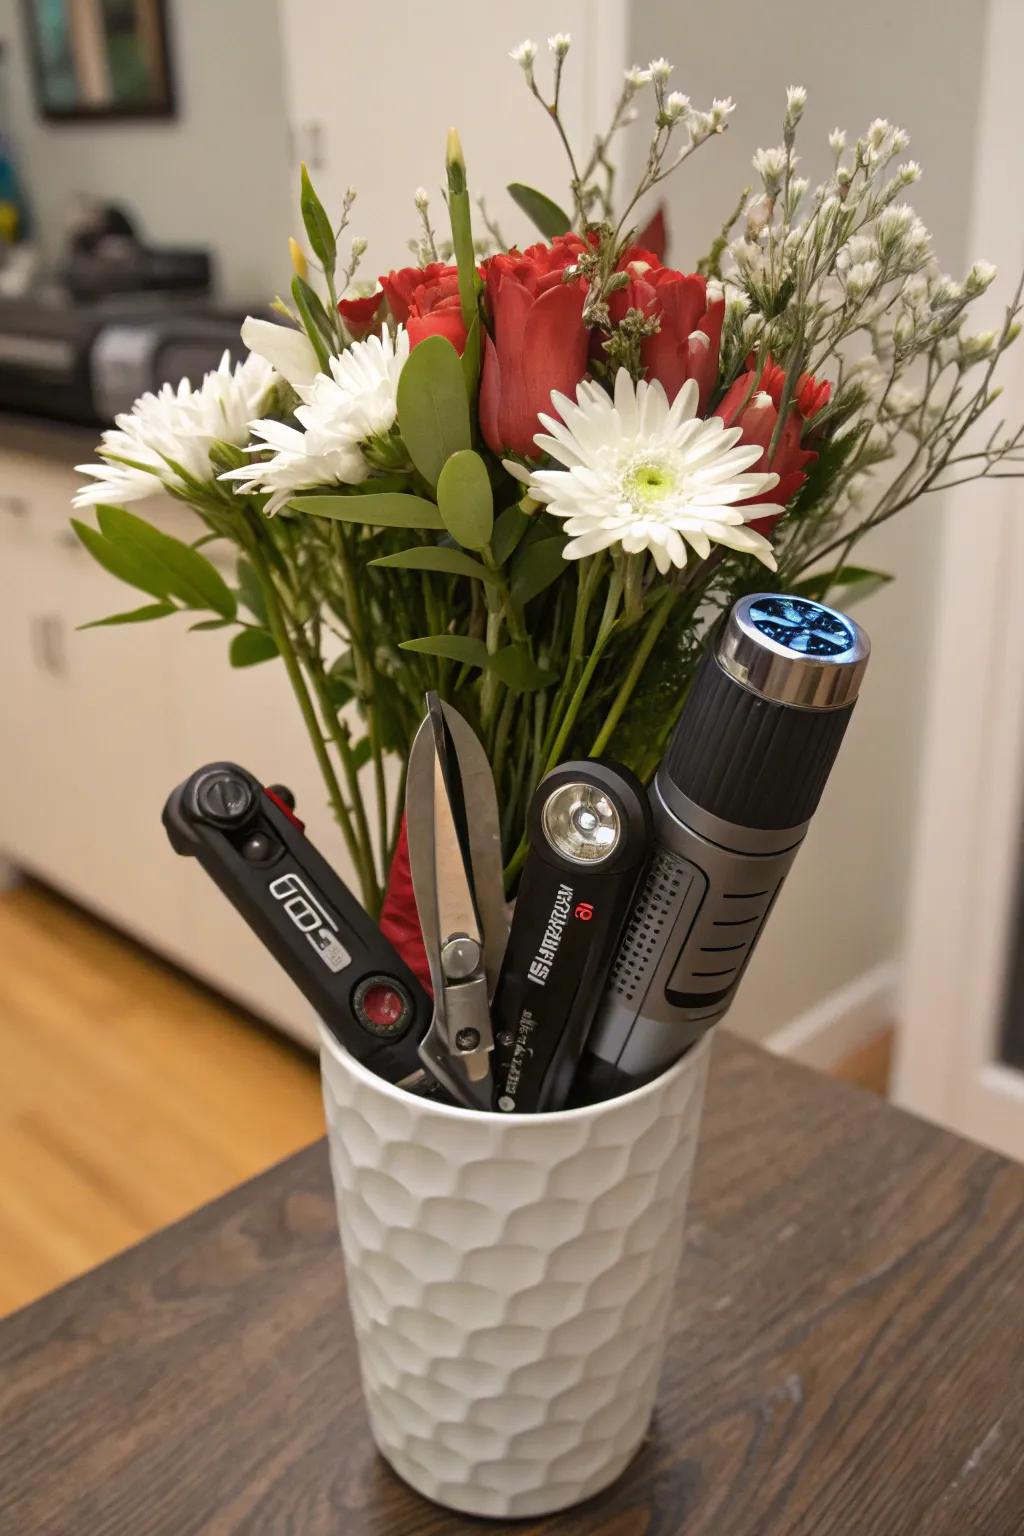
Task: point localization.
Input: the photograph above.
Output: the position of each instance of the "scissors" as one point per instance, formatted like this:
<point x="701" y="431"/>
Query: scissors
<point x="455" y="860"/>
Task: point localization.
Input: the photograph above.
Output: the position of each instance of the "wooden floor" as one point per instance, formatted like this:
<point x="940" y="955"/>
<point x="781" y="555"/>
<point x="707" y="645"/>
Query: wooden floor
<point x="129" y="1096"/>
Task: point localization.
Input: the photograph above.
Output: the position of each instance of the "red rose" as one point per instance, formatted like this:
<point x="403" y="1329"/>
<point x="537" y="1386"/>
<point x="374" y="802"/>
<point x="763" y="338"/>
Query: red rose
<point x="757" y="420"/>
<point x="426" y="301"/>
<point x="361" y="315"/>
<point x="689" y="334"/>
<point x="537" y="342"/>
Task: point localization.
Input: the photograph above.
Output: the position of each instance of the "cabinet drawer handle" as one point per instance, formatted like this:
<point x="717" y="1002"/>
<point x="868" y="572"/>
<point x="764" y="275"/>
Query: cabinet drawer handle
<point x="48" y="644"/>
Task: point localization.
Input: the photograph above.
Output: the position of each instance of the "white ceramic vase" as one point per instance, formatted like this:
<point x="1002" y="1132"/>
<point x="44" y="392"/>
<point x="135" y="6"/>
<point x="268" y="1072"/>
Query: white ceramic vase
<point x="510" y="1279"/>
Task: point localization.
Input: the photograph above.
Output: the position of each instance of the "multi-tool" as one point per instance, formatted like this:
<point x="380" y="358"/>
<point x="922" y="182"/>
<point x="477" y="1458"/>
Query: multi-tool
<point x="251" y="843"/>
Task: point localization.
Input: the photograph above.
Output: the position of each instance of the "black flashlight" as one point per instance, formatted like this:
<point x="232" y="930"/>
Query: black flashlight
<point x="589" y="827"/>
<point x="732" y="802"/>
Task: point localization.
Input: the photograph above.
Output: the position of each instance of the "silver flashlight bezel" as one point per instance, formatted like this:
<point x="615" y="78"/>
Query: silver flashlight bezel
<point x="572" y="858"/>
<point x="784" y="676"/>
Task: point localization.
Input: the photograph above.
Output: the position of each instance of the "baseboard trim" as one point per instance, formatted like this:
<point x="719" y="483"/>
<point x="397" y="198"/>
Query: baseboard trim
<point x="843" y="1021"/>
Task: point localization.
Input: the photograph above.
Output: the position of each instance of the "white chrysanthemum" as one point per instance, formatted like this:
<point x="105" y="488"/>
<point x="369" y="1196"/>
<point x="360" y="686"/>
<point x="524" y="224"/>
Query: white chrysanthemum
<point x="358" y="400"/>
<point x="648" y="475"/>
<point x="176" y="424"/>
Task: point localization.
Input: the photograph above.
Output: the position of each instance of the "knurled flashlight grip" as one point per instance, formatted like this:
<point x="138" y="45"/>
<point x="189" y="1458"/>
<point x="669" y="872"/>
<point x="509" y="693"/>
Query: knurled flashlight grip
<point x="732" y="801"/>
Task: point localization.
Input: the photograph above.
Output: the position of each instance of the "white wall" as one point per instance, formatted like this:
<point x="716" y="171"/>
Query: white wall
<point x="377" y="98"/>
<point x="216" y="175"/>
<point x="843" y="912"/>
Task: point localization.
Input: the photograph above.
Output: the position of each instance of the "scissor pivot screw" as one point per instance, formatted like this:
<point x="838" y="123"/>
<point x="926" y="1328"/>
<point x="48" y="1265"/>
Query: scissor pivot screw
<point x="460" y="957"/>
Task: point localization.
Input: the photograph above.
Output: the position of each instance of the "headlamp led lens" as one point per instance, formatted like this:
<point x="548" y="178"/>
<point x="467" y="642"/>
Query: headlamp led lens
<point x="581" y="823"/>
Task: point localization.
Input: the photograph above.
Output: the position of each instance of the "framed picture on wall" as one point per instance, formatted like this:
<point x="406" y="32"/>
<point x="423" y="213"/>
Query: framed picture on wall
<point x="100" y="58"/>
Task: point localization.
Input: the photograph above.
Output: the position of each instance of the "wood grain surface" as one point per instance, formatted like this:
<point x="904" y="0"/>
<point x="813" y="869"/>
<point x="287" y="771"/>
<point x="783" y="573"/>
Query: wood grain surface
<point x="847" y="1356"/>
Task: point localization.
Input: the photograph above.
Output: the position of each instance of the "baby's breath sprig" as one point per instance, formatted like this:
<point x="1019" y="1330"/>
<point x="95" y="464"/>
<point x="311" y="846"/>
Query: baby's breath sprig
<point x="846" y="282"/>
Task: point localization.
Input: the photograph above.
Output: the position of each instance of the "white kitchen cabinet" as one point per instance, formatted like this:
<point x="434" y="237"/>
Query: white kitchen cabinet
<point x="98" y="726"/>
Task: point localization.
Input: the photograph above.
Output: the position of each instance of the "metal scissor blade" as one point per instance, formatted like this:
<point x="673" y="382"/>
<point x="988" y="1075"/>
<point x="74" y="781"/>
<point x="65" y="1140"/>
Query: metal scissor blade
<point x="483" y="828"/>
<point x="458" y="1044"/>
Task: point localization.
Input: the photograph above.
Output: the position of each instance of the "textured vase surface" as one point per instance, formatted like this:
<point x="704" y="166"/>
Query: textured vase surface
<point x="510" y="1280"/>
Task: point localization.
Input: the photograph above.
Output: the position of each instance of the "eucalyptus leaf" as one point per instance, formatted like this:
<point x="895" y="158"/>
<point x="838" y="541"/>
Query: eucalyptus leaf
<point x="134" y="616"/>
<point x="433" y="411"/>
<point x="387" y="509"/>
<point x="130" y="565"/>
<point x="188" y="575"/>
<point x="465" y="499"/>
<point x="546" y="214"/>
<point x="508" y="530"/>
<point x="515" y="667"/>
<point x="851" y="583"/>
<point x="250" y="647"/>
<point x="209" y="624"/>
<point x="437" y="557"/>
<point x="319" y="229"/>
<point x="453" y="647"/>
<point x="304" y="296"/>
<point x="537" y="566"/>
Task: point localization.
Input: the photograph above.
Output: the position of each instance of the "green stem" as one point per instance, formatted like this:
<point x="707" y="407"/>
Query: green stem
<point x="368" y="688"/>
<point x="640" y="657"/>
<point x="279" y="630"/>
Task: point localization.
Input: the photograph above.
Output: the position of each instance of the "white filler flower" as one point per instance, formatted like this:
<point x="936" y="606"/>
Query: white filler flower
<point x="648" y="476"/>
<point x="357" y="401"/>
<point x="180" y="425"/>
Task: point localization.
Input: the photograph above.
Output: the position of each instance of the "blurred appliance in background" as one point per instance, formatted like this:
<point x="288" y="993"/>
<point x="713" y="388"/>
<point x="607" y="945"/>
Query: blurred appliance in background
<point x="84" y="364"/>
<point x="124" y="318"/>
<point x="107" y="255"/>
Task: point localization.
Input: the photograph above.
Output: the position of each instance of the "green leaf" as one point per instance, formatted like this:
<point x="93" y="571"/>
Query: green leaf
<point x="341" y="680"/>
<point x="129" y="565"/>
<point x="251" y="646"/>
<point x="508" y="530"/>
<point x="188" y="575"/>
<point x="361" y="753"/>
<point x="548" y="217"/>
<point x="437" y="557"/>
<point x="306" y="303"/>
<point x="251" y="592"/>
<point x="454" y="647"/>
<point x="134" y="616"/>
<point x="206" y="624"/>
<point x="433" y="411"/>
<point x="852" y="583"/>
<point x="465" y="499"/>
<point x="537" y="566"/>
<point x="319" y="229"/>
<point x="515" y="667"/>
<point x="389" y="509"/>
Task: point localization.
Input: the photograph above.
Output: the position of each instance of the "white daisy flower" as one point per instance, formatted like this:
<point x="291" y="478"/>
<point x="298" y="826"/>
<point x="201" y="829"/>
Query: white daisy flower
<point x="357" y="401"/>
<point x="178" y="424"/>
<point x="288" y="350"/>
<point x="648" y="475"/>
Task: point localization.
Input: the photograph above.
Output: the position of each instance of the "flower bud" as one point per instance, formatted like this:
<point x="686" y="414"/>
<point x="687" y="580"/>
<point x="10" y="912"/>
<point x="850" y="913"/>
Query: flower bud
<point x="979" y="277"/>
<point x="300" y="266"/>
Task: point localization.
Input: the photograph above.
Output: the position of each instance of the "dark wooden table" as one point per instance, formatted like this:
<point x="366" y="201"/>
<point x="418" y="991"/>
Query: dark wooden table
<point x="847" y="1355"/>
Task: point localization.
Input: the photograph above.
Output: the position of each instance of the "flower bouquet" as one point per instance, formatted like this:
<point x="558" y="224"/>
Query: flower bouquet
<point x="531" y="479"/>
